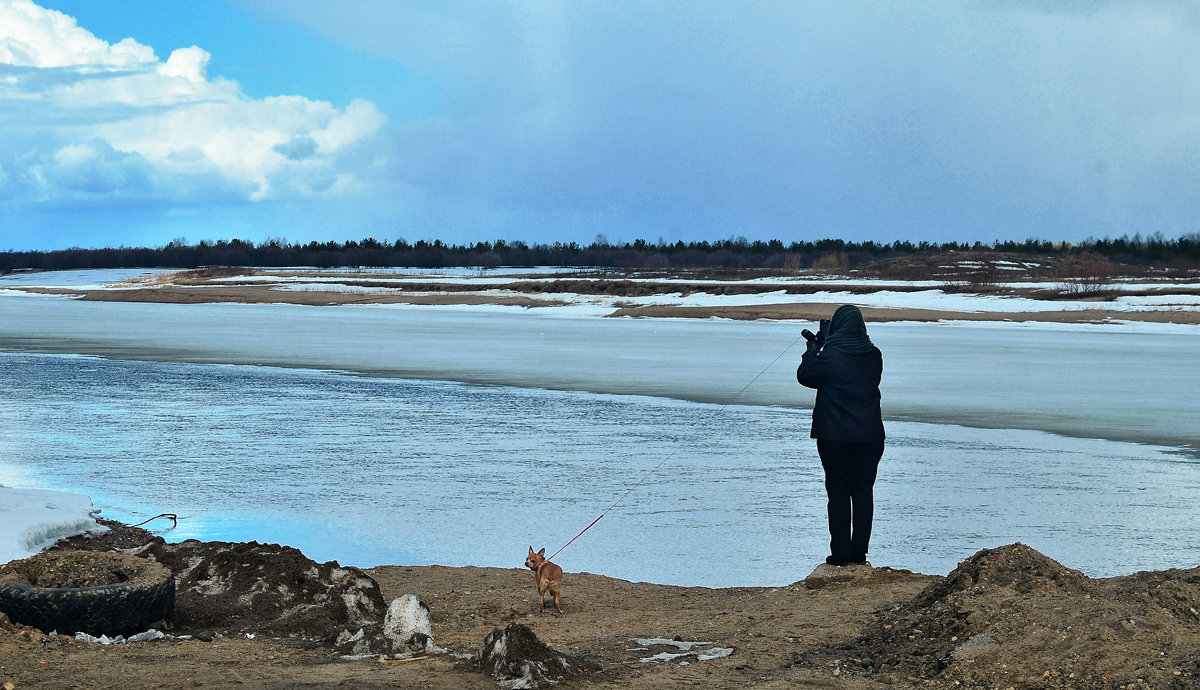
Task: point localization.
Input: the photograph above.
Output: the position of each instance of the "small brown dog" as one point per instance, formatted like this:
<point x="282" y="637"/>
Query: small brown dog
<point x="547" y="576"/>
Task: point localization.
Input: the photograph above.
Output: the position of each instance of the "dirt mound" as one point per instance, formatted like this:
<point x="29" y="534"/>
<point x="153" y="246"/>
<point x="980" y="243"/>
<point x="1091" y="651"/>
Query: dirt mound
<point x="118" y="536"/>
<point x="1175" y="591"/>
<point x="274" y="590"/>
<point x="516" y="658"/>
<point x="75" y="569"/>
<point x="1015" y="567"/>
<point x="1013" y="614"/>
<point x="958" y="610"/>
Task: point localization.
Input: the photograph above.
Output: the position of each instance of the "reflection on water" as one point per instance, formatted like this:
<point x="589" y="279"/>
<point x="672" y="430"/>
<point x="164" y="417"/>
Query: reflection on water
<point x="371" y="470"/>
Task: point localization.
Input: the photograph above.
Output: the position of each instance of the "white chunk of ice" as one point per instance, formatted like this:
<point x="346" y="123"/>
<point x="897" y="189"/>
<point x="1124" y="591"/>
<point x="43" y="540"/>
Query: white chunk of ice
<point x="146" y="636"/>
<point x="33" y="519"/>
<point x="681" y="644"/>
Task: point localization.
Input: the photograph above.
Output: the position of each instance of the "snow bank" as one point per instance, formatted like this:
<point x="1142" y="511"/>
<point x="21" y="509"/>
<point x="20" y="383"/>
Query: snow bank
<point x="32" y="519"/>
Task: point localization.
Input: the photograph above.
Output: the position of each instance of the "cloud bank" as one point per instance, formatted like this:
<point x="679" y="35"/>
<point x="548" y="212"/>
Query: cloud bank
<point x="85" y="121"/>
<point x="939" y="120"/>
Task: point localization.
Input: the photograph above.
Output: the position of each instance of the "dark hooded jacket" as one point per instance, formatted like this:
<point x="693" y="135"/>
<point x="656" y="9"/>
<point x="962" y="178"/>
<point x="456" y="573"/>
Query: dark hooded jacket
<point x="845" y="370"/>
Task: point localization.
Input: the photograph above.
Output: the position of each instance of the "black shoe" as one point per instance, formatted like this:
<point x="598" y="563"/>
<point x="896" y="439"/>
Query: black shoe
<point x="858" y="560"/>
<point x="836" y="561"/>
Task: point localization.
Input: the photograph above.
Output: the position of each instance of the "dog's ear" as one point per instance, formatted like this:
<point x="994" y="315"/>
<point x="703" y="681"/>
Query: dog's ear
<point x="531" y="551"/>
<point x="541" y="553"/>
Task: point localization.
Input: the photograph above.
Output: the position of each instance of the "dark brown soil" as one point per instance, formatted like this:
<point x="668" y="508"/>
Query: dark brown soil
<point x="269" y="589"/>
<point x="1005" y="617"/>
<point x="54" y="569"/>
<point x="1006" y="612"/>
<point x="118" y="536"/>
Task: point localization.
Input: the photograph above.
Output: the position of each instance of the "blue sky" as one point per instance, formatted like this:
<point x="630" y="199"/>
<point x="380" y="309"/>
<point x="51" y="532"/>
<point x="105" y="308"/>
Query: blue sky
<point x="135" y="122"/>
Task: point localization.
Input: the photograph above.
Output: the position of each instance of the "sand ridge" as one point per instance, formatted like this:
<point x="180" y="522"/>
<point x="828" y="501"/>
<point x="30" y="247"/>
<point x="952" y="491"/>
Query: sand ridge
<point x="617" y="295"/>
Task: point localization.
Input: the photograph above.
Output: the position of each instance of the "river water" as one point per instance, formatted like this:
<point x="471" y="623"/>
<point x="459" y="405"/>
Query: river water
<point x="462" y="436"/>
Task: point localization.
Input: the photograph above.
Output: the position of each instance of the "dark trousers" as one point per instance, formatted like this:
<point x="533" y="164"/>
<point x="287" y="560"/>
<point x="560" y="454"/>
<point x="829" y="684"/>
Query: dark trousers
<point x="850" y="468"/>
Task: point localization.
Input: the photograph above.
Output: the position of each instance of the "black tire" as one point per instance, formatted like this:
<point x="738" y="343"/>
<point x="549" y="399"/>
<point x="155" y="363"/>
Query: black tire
<point x="121" y="609"/>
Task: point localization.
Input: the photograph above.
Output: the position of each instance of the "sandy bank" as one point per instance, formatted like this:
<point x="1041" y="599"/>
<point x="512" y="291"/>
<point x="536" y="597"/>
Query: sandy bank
<point x="1005" y="617"/>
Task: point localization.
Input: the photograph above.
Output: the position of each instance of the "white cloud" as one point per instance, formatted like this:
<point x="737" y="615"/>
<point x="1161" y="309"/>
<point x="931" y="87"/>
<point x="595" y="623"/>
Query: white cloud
<point x="87" y="119"/>
<point x="190" y="63"/>
<point x="31" y="36"/>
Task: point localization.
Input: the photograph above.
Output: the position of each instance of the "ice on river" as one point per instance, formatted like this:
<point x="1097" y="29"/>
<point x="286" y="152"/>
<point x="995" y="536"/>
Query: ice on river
<point x="371" y="470"/>
<point x="1129" y="381"/>
<point x="473" y="433"/>
<point x="33" y="519"/>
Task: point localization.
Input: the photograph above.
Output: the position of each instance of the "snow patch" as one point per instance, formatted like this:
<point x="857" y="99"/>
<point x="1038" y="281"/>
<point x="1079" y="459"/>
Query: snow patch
<point x="681" y="644"/>
<point x="147" y="636"/>
<point x="407" y="624"/>
<point x="33" y="519"/>
<point x="686" y="649"/>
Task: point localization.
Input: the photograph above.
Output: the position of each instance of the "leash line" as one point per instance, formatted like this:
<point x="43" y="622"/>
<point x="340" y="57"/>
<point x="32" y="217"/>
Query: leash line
<point x="682" y="444"/>
<point x="575" y="537"/>
<point x="172" y="516"/>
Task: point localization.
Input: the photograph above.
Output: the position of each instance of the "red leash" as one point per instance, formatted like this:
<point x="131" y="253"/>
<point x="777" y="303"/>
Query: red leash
<point x="678" y="447"/>
<point x="576" y="536"/>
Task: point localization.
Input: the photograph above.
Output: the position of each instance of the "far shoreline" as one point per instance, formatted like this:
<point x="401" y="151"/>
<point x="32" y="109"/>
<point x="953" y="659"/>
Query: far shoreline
<point x="782" y="311"/>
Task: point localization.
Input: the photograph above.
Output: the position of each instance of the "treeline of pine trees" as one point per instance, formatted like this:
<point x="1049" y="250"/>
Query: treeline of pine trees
<point x="737" y="252"/>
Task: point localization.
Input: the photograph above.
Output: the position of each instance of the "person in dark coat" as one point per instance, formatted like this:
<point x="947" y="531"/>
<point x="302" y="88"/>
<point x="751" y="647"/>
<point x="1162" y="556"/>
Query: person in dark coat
<point x="845" y="367"/>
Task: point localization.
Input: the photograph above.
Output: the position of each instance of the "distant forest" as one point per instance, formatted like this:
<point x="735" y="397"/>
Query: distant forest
<point x="735" y="253"/>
